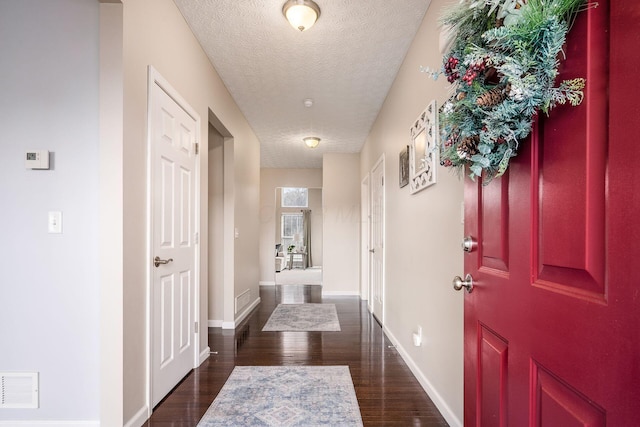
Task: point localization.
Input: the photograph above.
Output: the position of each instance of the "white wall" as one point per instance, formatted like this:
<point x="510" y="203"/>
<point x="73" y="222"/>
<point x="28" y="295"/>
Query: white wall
<point x="49" y="320"/>
<point x="341" y="204"/>
<point x="423" y="233"/>
<point x="270" y="179"/>
<point x="155" y="33"/>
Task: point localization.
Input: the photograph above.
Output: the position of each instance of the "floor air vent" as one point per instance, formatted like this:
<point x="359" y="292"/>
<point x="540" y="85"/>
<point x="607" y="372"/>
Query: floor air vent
<point x="18" y="390"/>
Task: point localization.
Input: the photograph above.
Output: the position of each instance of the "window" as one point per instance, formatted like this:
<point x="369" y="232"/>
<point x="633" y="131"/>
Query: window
<point x="295" y="197"/>
<point x="291" y="225"/>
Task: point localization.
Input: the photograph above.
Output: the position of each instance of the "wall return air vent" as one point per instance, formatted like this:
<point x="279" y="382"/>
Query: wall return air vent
<point x="19" y="390"/>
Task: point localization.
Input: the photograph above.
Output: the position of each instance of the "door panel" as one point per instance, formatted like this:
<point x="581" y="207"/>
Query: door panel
<point x="550" y="317"/>
<point x="166" y="320"/>
<point x="555" y="403"/>
<point x="492" y="378"/>
<point x="167" y="173"/>
<point x="186" y="204"/>
<point x="494" y="214"/>
<point x="185" y="318"/>
<point x="569" y="201"/>
<point x="571" y="171"/>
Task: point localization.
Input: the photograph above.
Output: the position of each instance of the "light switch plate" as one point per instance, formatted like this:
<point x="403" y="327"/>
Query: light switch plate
<point x="55" y="222"/>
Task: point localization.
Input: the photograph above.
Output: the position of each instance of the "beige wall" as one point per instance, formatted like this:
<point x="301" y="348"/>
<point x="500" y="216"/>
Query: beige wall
<point x="216" y="228"/>
<point x="315" y="204"/>
<point x="270" y="179"/>
<point x="111" y="215"/>
<point x="156" y="34"/>
<point x="423" y="234"/>
<point x="341" y="204"/>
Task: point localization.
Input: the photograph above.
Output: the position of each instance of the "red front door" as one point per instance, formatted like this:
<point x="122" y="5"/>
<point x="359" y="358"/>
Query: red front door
<point x="552" y="327"/>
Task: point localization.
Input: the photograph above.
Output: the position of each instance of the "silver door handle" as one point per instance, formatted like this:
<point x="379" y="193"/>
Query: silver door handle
<point x="467" y="283"/>
<point x="157" y="261"/>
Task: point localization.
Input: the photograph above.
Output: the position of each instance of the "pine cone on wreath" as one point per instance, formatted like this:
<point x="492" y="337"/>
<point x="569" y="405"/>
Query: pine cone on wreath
<point x="468" y="147"/>
<point x="491" y="97"/>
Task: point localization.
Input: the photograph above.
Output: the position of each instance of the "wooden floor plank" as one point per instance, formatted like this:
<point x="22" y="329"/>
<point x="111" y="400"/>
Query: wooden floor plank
<point x="387" y="391"/>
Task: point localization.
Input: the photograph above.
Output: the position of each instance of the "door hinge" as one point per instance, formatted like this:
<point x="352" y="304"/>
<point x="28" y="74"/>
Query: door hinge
<point x="383" y="181"/>
<point x="196" y="237"/>
<point x="196" y="327"/>
<point x="197" y="148"/>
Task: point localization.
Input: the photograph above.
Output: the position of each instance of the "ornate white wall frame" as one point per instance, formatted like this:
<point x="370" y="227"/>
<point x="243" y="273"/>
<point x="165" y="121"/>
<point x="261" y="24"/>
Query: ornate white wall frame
<point x="423" y="149"/>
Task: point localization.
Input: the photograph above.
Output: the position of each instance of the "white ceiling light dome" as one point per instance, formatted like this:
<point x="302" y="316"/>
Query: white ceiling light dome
<point x="301" y="14"/>
<point x="311" y="141"/>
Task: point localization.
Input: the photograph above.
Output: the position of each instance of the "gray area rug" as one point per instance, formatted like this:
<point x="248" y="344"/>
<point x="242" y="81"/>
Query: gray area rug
<point x="285" y="396"/>
<point x="303" y="317"/>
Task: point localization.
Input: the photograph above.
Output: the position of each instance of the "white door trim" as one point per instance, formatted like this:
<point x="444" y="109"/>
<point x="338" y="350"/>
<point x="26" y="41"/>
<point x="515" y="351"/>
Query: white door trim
<point x="365" y="241"/>
<point x="154" y="78"/>
<point x="381" y="163"/>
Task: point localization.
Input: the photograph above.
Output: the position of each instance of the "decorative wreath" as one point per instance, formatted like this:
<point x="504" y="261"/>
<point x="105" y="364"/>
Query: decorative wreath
<point x="503" y="62"/>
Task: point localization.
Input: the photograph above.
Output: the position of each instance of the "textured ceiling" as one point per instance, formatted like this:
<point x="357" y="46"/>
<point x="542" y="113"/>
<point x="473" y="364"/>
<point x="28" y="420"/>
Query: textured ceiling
<point x="346" y="63"/>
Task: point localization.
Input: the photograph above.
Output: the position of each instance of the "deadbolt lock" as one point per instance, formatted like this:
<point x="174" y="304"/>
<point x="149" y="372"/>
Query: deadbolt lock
<point x="469" y="244"/>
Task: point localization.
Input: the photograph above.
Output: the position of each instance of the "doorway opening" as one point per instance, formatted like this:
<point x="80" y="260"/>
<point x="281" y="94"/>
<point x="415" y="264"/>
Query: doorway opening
<point x="298" y="235"/>
<point x="220" y="233"/>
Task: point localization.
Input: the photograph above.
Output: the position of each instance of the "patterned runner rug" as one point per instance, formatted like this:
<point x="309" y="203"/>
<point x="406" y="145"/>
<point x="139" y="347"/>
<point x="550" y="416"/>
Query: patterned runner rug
<point x="303" y="317"/>
<point x="285" y="396"/>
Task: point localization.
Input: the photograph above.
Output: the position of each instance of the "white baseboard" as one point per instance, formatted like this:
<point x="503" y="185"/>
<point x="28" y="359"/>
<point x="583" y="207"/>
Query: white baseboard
<point x="204" y="355"/>
<point x="214" y="323"/>
<point x="228" y="325"/>
<point x="39" y="423"/>
<point x="139" y="418"/>
<point x="247" y="310"/>
<point x="340" y="293"/>
<point x="261" y="283"/>
<point x="437" y="399"/>
<point x="241" y="316"/>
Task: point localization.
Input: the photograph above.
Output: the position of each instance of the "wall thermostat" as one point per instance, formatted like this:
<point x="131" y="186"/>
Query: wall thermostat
<point x="37" y="159"/>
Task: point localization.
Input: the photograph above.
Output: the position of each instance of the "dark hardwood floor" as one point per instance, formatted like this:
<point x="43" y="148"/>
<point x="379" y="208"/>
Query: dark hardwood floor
<point x="387" y="391"/>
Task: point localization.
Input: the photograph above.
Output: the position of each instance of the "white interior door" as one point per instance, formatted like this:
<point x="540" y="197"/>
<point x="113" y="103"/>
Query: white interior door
<point x="173" y="137"/>
<point x="377" y="240"/>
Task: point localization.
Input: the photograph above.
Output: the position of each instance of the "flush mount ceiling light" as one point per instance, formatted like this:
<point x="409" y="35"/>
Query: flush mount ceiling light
<point x="301" y="14"/>
<point x="311" y="141"/>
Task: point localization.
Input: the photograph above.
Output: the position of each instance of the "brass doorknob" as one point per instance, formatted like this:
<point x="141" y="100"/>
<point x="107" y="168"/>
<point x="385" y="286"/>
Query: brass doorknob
<point x="467" y="283"/>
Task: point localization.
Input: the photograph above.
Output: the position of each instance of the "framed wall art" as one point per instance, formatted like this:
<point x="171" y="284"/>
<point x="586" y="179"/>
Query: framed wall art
<point x="423" y="149"/>
<point x="403" y="167"/>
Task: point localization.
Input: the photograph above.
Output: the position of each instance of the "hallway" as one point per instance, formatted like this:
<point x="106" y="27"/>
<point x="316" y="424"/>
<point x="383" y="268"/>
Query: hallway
<point x="387" y="392"/>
